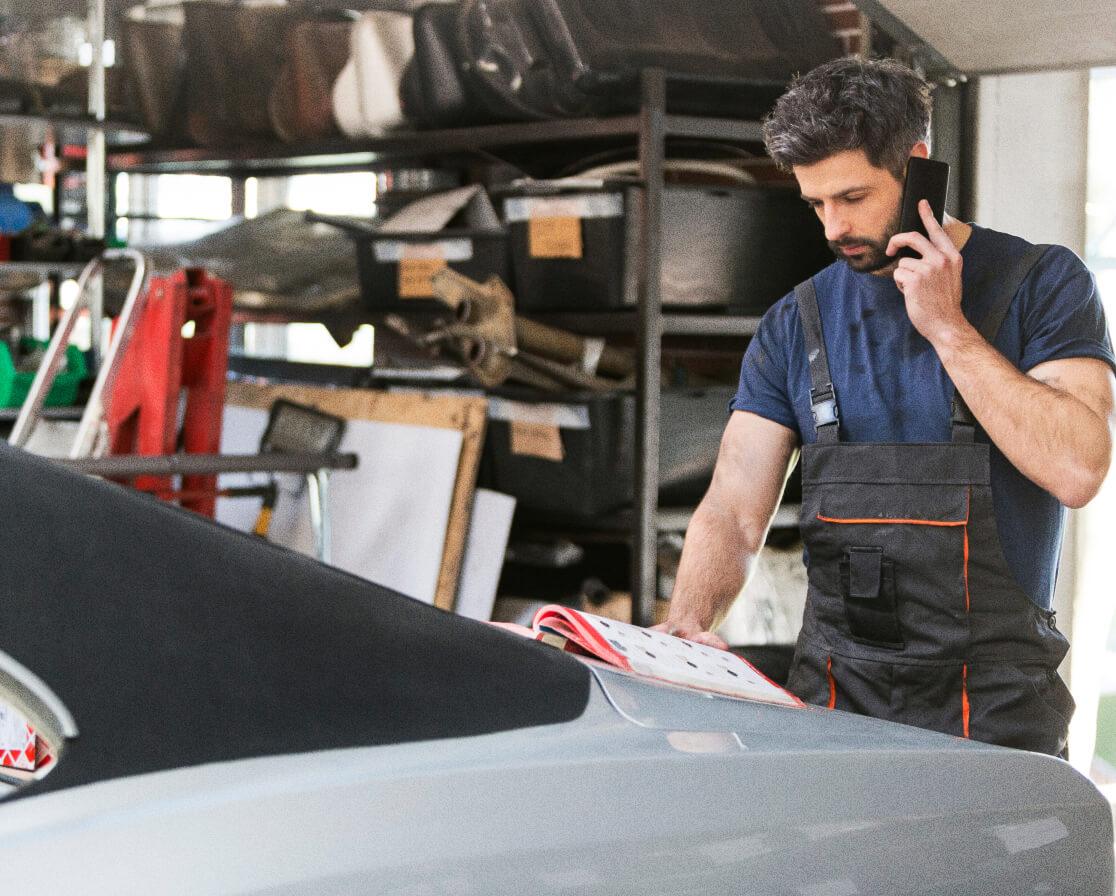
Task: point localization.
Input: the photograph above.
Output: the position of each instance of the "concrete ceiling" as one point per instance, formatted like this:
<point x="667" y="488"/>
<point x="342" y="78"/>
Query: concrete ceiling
<point x="973" y="37"/>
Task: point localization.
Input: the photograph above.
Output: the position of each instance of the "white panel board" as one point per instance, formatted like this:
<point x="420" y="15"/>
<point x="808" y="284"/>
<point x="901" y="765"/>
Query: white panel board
<point x="389" y="516"/>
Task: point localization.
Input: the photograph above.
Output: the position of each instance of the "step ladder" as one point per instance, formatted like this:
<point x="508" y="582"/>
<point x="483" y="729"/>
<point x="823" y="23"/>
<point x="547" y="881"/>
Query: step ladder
<point x="90" y="279"/>
<point x="129" y="430"/>
<point x="168" y="390"/>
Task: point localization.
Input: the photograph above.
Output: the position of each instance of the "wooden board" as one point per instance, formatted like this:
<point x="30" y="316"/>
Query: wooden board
<point x="467" y="414"/>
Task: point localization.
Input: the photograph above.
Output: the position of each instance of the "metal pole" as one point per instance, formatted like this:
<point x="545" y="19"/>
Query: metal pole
<point x="318" y="496"/>
<point x="127" y="466"/>
<point x="95" y="149"/>
<point x="95" y="164"/>
<point x="652" y="148"/>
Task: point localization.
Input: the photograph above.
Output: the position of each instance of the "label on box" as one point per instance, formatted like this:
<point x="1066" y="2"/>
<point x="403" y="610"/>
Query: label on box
<point x="415" y="276"/>
<point x="567" y="416"/>
<point x="588" y="205"/>
<point x="554" y="238"/>
<point x="419" y="261"/>
<point x="536" y="440"/>
<point x="394" y="251"/>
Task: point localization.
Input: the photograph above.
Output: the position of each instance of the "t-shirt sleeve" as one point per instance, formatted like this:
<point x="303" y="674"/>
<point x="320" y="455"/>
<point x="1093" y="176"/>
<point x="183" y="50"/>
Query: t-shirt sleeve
<point x="1063" y="316"/>
<point x="762" y="389"/>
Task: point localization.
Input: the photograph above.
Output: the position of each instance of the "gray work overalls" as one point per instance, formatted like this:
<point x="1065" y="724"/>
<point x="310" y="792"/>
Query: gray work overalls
<point x="912" y="614"/>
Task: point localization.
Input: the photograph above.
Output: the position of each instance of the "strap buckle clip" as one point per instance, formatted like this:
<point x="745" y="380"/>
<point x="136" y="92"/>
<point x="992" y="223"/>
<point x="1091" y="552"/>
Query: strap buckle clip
<point x="823" y="405"/>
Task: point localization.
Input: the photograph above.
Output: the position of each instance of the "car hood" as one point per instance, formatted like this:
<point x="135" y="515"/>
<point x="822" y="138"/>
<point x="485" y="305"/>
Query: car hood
<point x="676" y="792"/>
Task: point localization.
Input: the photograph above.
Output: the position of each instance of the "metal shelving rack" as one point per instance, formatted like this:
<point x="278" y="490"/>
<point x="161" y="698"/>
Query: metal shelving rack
<point x="92" y="129"/>
<point x="648" y="131"/>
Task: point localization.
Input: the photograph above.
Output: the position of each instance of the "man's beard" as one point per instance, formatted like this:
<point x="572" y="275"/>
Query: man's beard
<point x="875" y="258"/>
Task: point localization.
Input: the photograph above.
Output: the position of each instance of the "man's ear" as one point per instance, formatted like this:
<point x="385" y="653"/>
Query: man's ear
<point x="921" y="150"/>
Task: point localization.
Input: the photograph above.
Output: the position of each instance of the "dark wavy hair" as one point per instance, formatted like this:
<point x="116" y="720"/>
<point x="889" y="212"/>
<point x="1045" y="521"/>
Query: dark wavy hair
<point x="878" y="105"/>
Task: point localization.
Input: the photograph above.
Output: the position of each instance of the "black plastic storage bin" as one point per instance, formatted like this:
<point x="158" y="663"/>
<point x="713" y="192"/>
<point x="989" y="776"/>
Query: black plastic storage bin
<point x="395" y="268"/>
<point x="733" y="248"/>
<point x="691" y="423"/>
<point x="567" y="246"/>
<point x="740" y="249"/>
<point x="568" y="456"/>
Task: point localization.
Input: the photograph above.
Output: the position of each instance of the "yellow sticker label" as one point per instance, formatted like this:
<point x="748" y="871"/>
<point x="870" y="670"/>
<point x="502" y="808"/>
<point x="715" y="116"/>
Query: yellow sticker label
<point x="537" y="440"/>
<point x="414" y="277"/>
<point x="558" y="237"/>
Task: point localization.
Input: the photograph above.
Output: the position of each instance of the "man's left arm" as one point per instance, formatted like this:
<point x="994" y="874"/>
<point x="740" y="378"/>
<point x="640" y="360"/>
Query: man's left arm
<point x="1054" y="423"/>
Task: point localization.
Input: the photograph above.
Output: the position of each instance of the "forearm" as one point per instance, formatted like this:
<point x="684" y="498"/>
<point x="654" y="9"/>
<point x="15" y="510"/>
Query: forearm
<point x="730" y="524"/>
<point x="717" y="558"/>
<point x="1054" y="422"/>
<point x="1055" y="431"/>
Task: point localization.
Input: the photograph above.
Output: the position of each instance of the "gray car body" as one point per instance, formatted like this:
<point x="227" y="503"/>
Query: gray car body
<point x="655" y="789"/>
<point x="231" y="718"/>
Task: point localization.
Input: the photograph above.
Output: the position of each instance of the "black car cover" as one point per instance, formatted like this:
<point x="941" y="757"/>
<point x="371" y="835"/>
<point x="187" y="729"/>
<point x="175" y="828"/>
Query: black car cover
<point x="176" y="641"/>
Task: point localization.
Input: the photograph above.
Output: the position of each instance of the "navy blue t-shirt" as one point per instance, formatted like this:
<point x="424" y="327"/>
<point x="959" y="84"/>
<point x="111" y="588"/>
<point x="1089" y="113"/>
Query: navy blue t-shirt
<point x="891" y="387"/>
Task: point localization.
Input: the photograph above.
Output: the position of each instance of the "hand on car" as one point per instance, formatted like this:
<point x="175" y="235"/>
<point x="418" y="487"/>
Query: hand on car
<point x="693" y="633"/>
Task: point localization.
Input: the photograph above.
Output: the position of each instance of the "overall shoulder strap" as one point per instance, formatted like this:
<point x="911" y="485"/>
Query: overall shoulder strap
<point x="823" y="398"/>
<point x="962" y="423"/>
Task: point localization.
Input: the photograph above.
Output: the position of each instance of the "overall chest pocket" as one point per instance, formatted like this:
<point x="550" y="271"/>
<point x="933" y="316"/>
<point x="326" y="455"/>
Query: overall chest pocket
<point x="868" y="589"/>
<point x="890" y="564"/>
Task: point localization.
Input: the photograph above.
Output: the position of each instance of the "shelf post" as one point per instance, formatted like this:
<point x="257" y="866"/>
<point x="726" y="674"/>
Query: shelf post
<point x="95" y="150"/>
<point x="652" y="149"/>
<point x="95" y="162"/>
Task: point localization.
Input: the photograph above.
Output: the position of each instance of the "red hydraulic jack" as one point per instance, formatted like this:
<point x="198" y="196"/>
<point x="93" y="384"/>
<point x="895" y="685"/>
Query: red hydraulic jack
<point x="165" y="371"/>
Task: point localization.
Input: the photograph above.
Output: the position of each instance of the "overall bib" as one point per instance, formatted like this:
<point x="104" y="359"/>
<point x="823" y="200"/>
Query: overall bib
<point x="912" y="614"/>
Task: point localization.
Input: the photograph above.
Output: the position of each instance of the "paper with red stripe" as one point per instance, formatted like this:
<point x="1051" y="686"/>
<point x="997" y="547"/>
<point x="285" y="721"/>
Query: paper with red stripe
<point x="657" y="654"/>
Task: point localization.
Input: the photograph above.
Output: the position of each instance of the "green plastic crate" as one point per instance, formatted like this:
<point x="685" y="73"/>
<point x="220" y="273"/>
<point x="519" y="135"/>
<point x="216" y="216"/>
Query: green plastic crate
<point x="15" y="384"/>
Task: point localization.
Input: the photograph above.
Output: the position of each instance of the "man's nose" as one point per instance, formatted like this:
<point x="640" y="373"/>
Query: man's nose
<point x="836" y="224"/>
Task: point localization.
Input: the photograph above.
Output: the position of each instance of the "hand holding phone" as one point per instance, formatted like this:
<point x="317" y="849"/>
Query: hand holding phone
<point x="926" y="179"/>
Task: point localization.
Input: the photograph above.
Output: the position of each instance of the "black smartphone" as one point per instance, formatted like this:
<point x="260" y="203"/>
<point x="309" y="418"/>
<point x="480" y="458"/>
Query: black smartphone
<point x="926" y="179"/>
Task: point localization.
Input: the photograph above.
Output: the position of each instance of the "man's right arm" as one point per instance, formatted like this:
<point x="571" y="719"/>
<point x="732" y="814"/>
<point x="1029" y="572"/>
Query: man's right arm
<point x="730" y="525"/>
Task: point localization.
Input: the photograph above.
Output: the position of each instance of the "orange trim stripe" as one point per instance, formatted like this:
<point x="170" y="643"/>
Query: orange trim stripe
<point x="829" y="519"/>
<point x="965" y="700"/>
<point x="966" y="571"/>
<point x="832" y="684"/>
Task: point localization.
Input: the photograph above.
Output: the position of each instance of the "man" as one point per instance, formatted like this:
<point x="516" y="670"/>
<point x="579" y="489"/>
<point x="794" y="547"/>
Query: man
<point x="932" y="525"/>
